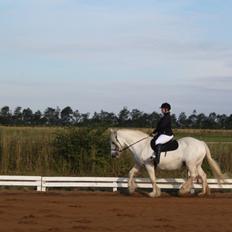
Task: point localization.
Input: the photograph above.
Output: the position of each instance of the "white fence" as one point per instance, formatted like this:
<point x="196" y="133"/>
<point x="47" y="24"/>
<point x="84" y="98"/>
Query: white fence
<point x="44" y="183"/>
<point x="23" y="181"/>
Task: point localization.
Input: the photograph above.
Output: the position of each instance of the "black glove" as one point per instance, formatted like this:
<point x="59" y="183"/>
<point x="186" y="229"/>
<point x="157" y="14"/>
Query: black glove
<point x="151" y="134"/>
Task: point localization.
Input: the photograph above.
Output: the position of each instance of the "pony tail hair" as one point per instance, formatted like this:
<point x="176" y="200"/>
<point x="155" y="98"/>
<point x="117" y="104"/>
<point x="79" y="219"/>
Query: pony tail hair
<point x="214" y="166"/>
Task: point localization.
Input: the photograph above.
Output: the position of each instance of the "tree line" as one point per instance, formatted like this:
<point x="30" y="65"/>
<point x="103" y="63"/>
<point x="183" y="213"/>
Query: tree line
<point x="125" y="118"/>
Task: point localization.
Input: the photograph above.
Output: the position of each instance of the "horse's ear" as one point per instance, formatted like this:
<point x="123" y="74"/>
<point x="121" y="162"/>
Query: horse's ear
<point x="111" y="130"/>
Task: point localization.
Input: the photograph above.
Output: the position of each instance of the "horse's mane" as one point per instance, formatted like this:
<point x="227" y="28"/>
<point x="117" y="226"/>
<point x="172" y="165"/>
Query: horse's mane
<point x="134" y="131"/>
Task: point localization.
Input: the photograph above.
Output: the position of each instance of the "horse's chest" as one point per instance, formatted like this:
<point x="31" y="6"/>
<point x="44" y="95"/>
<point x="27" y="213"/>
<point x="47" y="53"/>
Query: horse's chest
<point x="138" y="159"/>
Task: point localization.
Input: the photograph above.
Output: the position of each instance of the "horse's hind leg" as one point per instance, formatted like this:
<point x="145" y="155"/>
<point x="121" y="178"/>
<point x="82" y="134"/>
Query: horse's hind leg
<point x="205" y="187"/>
<point x="131" y="181"/>
<point x="186" y="187"/>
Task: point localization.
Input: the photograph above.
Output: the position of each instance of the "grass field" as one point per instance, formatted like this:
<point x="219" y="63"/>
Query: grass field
<point x="63" y="151"/>
<point x="215" y="136"/>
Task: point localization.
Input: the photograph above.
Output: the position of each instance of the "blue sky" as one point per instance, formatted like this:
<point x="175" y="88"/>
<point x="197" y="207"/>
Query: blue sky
<point x="106" y="54"/>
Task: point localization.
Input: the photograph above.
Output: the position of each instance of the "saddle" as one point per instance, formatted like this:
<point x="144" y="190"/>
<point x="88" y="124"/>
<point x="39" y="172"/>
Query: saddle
<point x="169" y="146"/>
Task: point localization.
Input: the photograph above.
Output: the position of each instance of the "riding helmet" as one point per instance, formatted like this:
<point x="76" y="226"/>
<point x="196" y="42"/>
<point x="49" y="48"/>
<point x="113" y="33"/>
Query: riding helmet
<point x="166" y="106"/>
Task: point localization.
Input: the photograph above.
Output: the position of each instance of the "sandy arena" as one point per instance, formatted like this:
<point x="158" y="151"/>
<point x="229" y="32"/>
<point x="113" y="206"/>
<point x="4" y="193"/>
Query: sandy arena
<point x="22" y="211"/>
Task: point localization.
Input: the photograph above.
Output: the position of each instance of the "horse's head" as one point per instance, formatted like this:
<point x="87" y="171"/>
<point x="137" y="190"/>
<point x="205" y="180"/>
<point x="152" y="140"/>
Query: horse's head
<point x="115" y="144"/>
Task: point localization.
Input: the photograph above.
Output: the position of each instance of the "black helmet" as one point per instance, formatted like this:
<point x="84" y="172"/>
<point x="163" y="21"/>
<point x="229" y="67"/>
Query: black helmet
<point x="166" y="106"/>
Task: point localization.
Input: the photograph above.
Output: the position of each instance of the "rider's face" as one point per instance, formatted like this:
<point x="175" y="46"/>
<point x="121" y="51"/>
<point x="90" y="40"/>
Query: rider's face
<point x="164" y="110"/>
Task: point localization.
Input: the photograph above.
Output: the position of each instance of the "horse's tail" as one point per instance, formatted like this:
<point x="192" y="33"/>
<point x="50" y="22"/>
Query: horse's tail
<point x="214" y="166"/>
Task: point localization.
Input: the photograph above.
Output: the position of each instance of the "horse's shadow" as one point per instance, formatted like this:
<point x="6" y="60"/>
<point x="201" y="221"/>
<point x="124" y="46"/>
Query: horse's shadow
<point x="145" y="192"/>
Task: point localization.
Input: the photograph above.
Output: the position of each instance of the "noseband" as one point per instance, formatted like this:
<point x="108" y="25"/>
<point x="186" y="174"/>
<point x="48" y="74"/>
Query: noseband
<point x="116" y="149"/>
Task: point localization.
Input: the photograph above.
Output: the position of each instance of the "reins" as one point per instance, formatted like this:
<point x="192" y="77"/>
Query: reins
<point x="125" y="148"/>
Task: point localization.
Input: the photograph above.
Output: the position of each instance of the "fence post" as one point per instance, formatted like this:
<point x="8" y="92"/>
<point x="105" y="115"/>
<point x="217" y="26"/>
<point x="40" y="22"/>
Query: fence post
<point x="43" y="184"/>
<point x="39" y="184"/>
<point x="115" y="188"/>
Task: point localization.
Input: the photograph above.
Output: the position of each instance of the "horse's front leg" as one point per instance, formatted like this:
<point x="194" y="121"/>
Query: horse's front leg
<point x="131" y="181"/>
<point x="151" y="172"/>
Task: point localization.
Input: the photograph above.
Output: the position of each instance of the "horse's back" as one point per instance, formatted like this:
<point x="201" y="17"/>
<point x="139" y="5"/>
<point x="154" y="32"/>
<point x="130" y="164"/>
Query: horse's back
<point x="189" y="141"/>
<point x="192" y="148"/>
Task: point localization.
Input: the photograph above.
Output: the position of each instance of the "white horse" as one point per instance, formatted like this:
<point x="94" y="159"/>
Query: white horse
<point x="190" y="153"/>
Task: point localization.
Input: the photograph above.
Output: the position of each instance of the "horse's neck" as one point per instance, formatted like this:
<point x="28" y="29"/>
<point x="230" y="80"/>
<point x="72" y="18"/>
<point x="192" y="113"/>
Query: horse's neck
<point x="130" y="136"/>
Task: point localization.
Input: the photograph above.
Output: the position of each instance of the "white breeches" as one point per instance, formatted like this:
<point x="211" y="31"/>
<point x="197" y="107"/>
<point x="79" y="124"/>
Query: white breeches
<point x="163" y="139"/>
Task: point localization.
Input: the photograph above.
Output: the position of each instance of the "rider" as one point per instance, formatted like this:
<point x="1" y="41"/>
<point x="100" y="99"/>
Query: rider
<point x="163" y="132"/>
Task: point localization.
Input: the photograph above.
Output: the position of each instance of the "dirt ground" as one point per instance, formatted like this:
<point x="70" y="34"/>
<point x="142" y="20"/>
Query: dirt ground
<point x="23" y="211"/>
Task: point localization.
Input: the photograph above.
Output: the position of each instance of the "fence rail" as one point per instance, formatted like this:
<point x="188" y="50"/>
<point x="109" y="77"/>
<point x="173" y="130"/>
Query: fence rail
<point x="23" y="181"/>
<point x="43" y="183"/>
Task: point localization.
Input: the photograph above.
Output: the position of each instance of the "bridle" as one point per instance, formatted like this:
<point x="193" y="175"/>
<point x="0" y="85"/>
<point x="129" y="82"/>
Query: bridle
<point x="117" y="149"/>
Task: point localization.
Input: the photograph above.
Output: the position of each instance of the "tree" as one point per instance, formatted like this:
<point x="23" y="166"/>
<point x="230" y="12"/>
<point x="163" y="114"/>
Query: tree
<point x="174" y="120"/>
<point x="76" y="116"/>
<point x="201" y="119"/>
<point x="5" y="111"/>
<point x="182" y="119"/>
<point x="67" y="115"/>
<point x="27" y="115"/>
<point x="154" y="117"/>
<point x="137" y="118"/>
<point x="37" y="117"/>
<point x="5" y="115"/>
<point x="18" y="112"/>
<point x="17" y="116"/>
<point x="192" y="120"/>
<point x="229" y="122"/>
<point x="51" y="115"/>
<point x="107" y="118"/>
<point x="221" y="121"/>
<point x="84" y="119"/>
<point x="211" y="121"/>
<point x="124" y="116"/>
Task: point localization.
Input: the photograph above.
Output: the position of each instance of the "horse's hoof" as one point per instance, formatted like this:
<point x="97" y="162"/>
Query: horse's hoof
<point x="208" y="191"/>
<point x="152" y="194"/>
<point x="183" y="194"/>
<point x="201" y="194"/>
<point x="131" y="190"/>
<point x="158" y="192"/>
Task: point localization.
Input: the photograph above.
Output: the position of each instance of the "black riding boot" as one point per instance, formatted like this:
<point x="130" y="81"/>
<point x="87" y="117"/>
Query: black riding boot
<point x="157" y="153"/>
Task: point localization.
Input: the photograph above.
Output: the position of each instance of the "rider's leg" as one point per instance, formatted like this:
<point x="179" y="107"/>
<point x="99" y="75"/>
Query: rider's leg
<point x="158" y="143"/>
<point x="157" y="153"/>
<point x="163" y="139"/>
